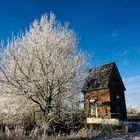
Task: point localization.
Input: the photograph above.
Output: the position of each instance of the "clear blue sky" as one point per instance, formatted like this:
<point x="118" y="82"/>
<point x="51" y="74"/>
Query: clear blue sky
<point x="109" y="30"/>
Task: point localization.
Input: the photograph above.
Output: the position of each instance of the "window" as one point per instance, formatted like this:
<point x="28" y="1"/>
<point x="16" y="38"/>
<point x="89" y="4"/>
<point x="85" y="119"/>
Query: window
<point x="117" y="97"/>
<point x="93" y="108"/>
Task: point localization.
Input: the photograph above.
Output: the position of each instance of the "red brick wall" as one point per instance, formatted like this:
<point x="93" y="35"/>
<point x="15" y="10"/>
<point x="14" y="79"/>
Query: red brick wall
<point x="103" y="96"/>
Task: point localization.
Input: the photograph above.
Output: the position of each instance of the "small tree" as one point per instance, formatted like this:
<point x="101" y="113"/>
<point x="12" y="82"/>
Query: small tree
<point x="44" y="66"/>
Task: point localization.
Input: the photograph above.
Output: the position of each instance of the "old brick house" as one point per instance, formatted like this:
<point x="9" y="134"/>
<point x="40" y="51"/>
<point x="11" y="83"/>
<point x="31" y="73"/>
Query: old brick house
<point x="104" y="93"/>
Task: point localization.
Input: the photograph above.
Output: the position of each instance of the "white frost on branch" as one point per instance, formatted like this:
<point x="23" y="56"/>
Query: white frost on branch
<point x="44" y="66"/>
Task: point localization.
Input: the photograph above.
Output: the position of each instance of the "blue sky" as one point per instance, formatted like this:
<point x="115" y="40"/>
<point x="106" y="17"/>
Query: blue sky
<point x="109" y="30"/>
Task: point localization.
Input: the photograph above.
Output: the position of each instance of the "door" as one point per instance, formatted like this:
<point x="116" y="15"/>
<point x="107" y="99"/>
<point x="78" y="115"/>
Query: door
<point x="118" y="111"/>
<point x="93" y="109"/>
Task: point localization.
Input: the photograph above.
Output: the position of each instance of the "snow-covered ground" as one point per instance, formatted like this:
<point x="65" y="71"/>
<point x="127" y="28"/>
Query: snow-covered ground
<point x="120" y="136"/>
<point x="132" y="134"/>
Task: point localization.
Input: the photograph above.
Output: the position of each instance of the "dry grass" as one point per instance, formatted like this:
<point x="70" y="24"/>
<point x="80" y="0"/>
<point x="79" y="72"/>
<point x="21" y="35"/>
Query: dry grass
<point x="95" y="132"/>
<point x="19" y="134"/>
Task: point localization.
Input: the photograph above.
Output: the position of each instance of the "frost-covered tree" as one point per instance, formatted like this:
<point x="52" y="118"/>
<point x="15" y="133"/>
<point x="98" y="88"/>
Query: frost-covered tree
<point x="44" y="66"/>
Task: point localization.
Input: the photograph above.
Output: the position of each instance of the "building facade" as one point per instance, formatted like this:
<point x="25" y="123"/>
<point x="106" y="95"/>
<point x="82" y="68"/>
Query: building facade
<point x="104" y="93"/>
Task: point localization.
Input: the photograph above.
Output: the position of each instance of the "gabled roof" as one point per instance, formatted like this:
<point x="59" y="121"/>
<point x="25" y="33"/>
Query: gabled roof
<point x="99" y="77"/>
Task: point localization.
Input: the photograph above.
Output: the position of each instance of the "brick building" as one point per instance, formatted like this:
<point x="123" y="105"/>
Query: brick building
<point x="104" y="93"/>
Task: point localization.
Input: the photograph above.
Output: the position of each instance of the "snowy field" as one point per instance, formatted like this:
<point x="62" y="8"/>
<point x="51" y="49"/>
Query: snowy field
<point x="132" y="134"/>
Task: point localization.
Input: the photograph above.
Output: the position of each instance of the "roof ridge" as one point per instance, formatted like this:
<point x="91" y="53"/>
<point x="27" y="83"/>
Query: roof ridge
<point x="113" y="62"/>
<point x="100" y="66"/>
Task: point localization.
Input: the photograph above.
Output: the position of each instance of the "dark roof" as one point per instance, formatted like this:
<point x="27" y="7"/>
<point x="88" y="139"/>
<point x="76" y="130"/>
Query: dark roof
<point x="99" y="77"/>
